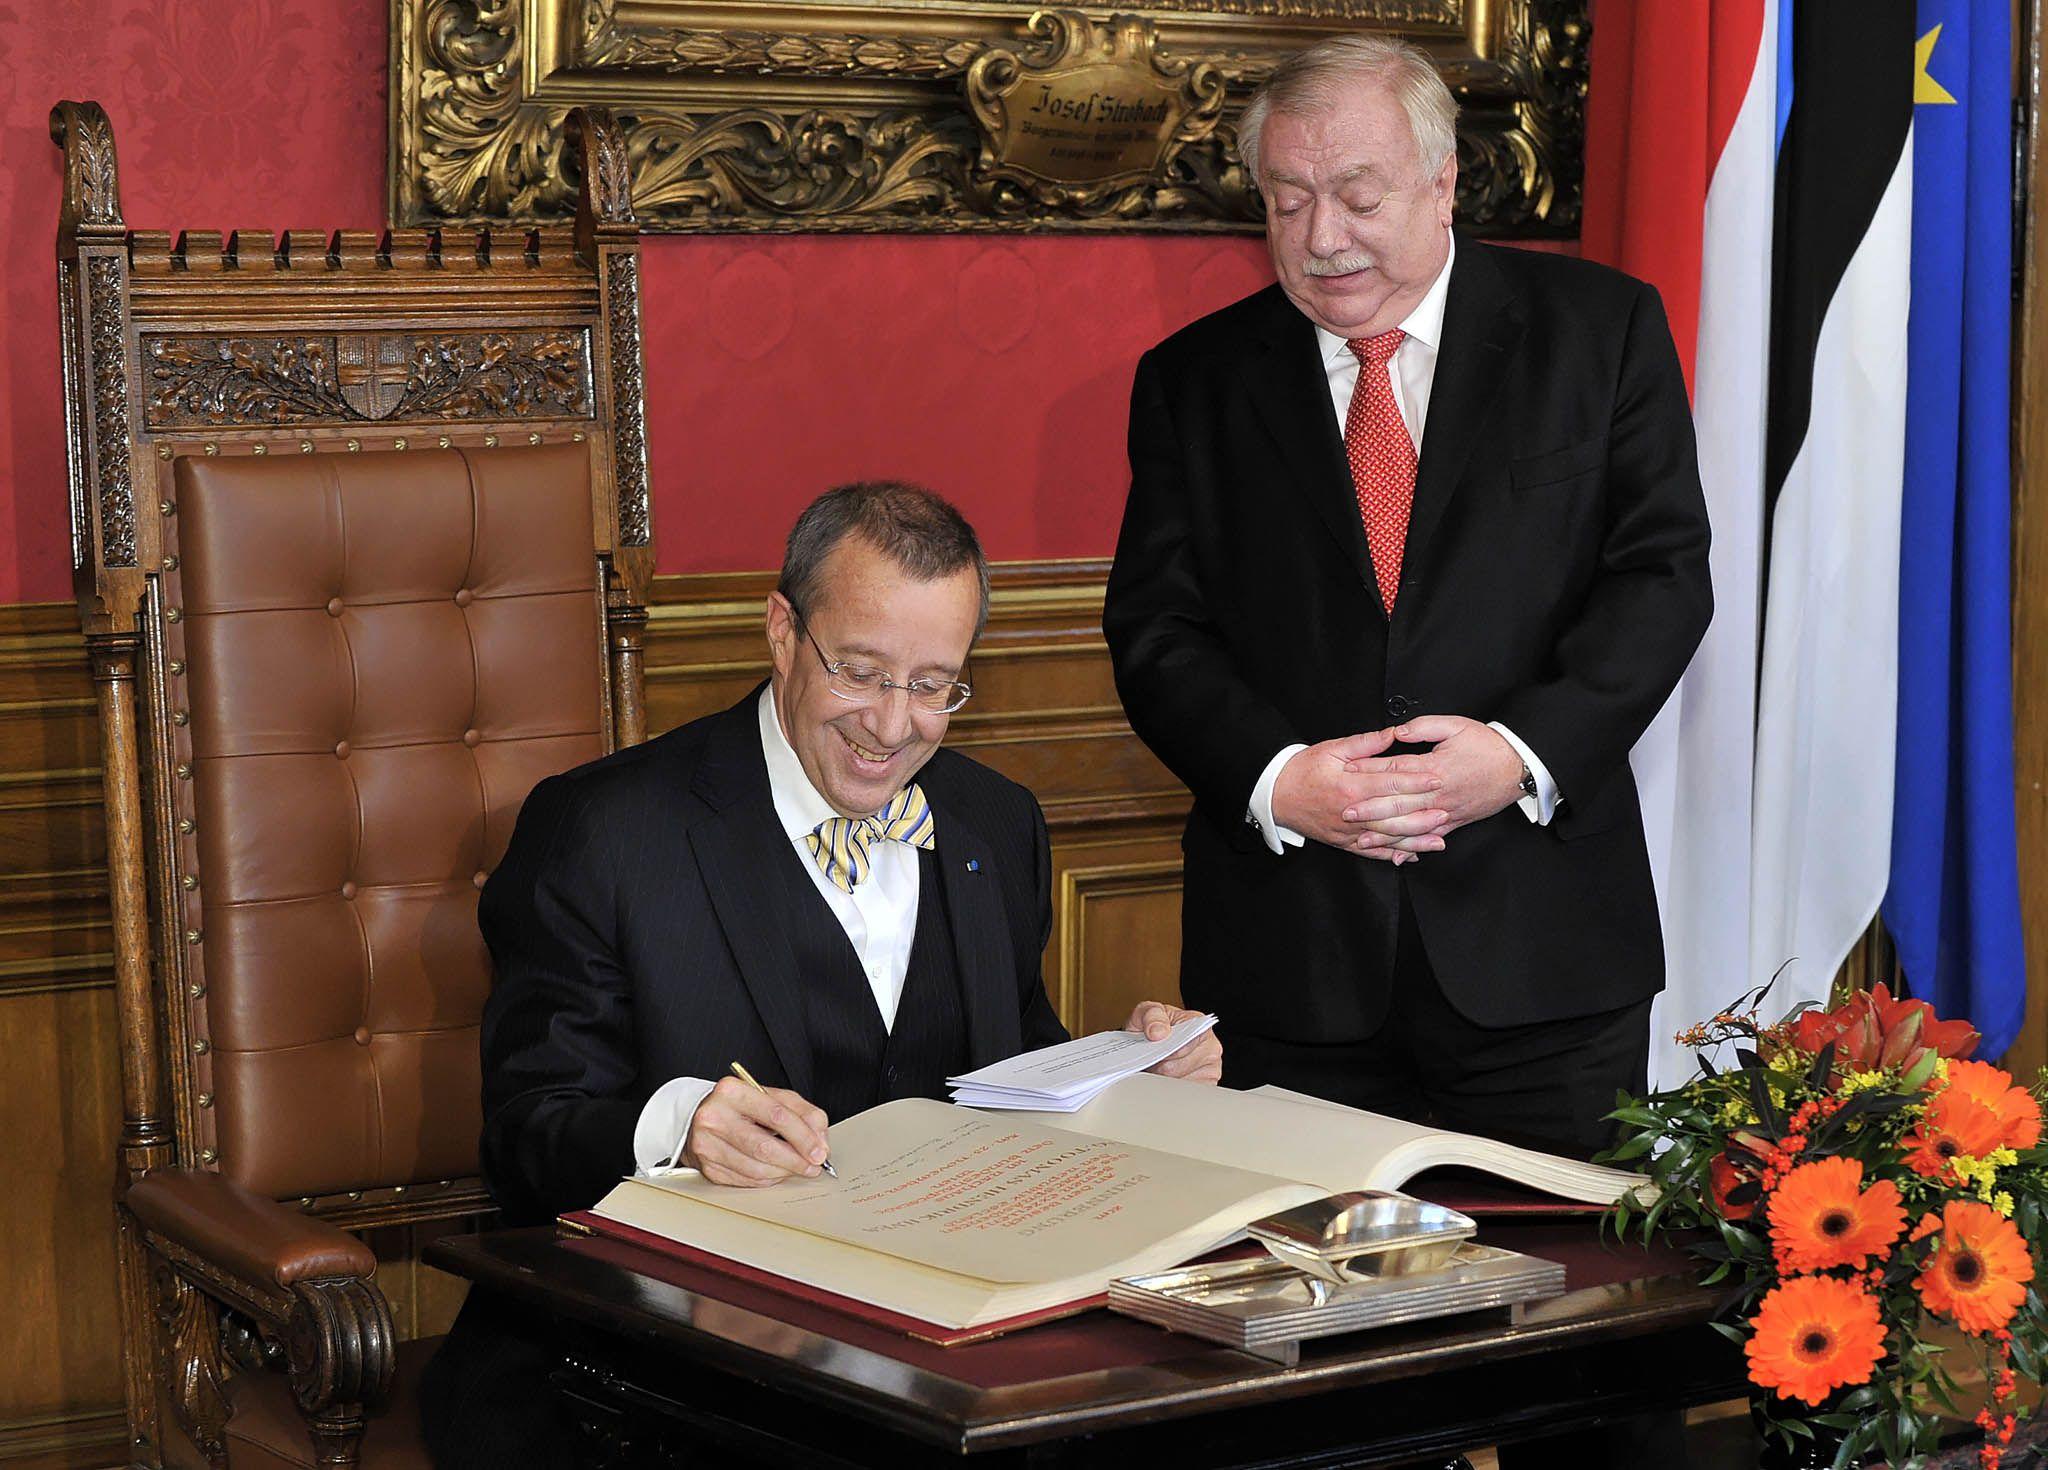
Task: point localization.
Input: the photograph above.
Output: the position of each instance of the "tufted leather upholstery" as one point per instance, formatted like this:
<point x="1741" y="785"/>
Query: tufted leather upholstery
<point x="380" y="653"/>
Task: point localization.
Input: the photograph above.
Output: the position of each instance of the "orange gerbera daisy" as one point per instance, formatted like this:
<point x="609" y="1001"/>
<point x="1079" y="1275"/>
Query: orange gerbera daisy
<point x="1956" y="1123"/>
<point x="1979" y="1272"/>
<point x="2019" y="1115"/>
<point x="1822" y="1216"/>
<point x="1814" y="1334"/>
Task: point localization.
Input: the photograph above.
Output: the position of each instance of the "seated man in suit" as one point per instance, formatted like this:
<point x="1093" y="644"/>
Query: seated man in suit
<point x="766" y="885"/>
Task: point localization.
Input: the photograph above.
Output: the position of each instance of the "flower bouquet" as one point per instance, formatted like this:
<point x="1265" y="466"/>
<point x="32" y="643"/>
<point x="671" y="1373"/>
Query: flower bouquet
<point x="1861" y="1182"/>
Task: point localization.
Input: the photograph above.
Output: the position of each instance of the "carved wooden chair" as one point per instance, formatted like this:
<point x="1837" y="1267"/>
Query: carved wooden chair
<point x="360" y="533"/>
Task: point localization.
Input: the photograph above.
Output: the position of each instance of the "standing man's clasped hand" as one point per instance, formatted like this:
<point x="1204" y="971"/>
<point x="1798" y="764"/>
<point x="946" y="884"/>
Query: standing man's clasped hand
<point x="1349" y="794"/>
<point x="1476" y="770"/>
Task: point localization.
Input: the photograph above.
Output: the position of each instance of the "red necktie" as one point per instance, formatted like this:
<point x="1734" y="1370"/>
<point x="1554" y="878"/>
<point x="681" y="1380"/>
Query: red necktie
<point x="1382" y="459"/>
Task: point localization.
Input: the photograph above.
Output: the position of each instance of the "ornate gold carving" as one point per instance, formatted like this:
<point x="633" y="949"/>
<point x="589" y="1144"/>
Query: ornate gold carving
<point x="826" y="125"/>
<point x="629" y="408"/>
<point x="678" y="49"/>
<point x="110" y="411"/>
<point x="206" y="380"/>
<point x="1527" y="176"/>
<point x="1089" y="116"/>
<point x="481" y="156"/>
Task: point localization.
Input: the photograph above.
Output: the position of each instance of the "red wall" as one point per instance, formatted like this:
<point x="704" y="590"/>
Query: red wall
<point x="995" y="370"/>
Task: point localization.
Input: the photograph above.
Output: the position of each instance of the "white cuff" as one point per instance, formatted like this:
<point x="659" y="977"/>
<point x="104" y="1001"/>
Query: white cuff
<point x="1260" y="813"/>
<point x="1541" y="807"/>
<point x="664" y="1124"/>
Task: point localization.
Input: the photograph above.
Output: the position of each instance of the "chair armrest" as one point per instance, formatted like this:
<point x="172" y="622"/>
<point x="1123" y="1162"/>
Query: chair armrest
<point x="244" y="1235"/>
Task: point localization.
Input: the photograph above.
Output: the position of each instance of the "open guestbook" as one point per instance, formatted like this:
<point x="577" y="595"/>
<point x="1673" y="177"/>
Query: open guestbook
<point x="964" y="1219"/>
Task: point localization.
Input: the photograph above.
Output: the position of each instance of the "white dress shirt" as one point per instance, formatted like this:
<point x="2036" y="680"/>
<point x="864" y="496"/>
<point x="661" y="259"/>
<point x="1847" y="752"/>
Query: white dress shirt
<point x="1412" y="373"/>
<point x="879" y="917"/>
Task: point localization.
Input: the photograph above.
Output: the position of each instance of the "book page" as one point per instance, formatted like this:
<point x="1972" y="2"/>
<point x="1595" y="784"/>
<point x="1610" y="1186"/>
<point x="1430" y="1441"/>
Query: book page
<point x="1327" y="1144"/>
<point x="997" y="1199"/>
<point x="1333" y="1148"/>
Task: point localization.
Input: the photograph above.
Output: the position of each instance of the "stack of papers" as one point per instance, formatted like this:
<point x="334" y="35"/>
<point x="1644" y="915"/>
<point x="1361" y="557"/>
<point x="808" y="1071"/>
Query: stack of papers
<point x="1064" y="1078"/>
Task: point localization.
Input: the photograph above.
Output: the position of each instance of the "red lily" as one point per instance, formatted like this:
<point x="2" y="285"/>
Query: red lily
<point x="1871" y="1029"/>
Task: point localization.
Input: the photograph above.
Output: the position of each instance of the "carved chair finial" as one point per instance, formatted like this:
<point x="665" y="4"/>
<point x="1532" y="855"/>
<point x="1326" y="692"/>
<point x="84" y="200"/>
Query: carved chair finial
<point x="604" y="202"/>
<point x="92" y="179"/>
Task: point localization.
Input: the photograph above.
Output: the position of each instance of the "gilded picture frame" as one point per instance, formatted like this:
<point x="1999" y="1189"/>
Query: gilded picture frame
<point x="900" y="115"/>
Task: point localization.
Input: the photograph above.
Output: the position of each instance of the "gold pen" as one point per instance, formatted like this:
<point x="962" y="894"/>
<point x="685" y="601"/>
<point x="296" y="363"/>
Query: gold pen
<point x="748" y="1077"/>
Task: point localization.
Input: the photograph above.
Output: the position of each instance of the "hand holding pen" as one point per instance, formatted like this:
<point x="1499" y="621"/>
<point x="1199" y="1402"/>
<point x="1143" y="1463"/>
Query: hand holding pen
<point x="749" y="1135"/>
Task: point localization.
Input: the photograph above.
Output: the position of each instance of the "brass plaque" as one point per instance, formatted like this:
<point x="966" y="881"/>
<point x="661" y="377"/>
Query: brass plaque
<point x="1094" y="105"/>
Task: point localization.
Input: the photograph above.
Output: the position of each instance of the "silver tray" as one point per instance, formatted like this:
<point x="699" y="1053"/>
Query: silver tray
<point x="1367" y="1232"/>
<point x="1269" y="1308"/>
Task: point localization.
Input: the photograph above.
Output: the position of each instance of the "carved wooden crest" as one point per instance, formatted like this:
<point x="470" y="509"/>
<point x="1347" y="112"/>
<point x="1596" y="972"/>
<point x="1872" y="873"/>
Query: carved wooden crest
<point x="371" y="372"/>
<point x="206" y="381"/>
<point x="1091" y="109"/>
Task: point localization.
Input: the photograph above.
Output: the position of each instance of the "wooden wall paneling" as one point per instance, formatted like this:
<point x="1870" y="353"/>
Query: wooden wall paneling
<point x="60" y="1359"/>
<point x="1045" y="713"/>
<point x="60" y="1364"/>
<point x="2030" y="555"/>
<point x="1116" y="927"/>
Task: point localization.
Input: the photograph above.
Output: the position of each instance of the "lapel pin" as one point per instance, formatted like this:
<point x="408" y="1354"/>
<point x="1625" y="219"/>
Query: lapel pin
<point x="974" y="865"/>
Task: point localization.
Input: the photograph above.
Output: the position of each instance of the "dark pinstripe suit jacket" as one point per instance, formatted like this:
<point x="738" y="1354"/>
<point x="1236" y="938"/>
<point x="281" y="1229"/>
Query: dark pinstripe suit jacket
<point x="634" y="931"/>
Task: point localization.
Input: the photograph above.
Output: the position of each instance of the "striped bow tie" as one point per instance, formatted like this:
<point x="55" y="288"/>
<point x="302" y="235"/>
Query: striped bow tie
<point x="841" y="846"/>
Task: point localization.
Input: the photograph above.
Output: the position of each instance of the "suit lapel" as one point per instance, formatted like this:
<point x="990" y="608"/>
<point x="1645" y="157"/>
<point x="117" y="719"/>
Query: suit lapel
<point x="974" y="906"/>
<point x="1482" y="328"/>
<point x="1291" y="392"/>
<point x="738" y="851"/>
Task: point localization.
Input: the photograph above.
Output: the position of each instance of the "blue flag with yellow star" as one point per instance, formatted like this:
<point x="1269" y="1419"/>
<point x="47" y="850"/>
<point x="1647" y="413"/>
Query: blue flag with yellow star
<point x="1952" y="903"/>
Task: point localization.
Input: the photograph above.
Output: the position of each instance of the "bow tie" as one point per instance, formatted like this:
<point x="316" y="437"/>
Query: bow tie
<point x="840" y="846"/>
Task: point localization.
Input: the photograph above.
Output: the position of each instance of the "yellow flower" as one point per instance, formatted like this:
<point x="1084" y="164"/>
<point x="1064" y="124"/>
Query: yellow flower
<point x="1982" y="1171"/>
<point x="2002" y="1202"/>
<point x="1856" y="1082"/>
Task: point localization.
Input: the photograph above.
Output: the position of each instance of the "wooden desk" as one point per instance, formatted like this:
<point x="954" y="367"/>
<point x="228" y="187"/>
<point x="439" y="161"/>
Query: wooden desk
<point x="668" y="1363"/>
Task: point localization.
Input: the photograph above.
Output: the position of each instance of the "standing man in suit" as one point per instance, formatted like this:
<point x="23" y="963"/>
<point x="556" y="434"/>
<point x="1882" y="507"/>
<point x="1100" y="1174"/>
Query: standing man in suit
<point x="1415" y="549"/>
<point x="805" y="883"/>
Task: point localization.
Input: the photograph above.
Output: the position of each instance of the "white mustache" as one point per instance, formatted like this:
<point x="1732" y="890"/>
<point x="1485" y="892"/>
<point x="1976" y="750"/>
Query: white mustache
<point x="1338" y="265"/>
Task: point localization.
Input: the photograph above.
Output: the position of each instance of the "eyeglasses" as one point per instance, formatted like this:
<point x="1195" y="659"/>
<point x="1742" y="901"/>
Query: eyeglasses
<point x="863" y="684"/>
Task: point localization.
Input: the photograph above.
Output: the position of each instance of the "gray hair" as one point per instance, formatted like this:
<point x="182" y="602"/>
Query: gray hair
<point x="1312" y="79"/>
<point x="919" y="531"/>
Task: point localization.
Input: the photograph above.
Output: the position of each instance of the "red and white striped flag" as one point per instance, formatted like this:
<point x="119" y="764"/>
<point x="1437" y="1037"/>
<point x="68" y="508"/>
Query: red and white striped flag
<point x="1680" y="158"/>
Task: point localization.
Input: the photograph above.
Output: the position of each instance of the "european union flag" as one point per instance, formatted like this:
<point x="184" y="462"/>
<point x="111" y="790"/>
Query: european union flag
<point x="1953" y="900"/>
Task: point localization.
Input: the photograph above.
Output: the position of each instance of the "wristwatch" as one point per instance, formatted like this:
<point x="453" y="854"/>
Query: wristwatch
<point x="1528" y="780"/>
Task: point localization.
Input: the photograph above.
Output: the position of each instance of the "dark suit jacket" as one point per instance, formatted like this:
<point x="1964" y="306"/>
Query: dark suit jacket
<point x="1555" y="579"/>
<point x="634" y="930"/>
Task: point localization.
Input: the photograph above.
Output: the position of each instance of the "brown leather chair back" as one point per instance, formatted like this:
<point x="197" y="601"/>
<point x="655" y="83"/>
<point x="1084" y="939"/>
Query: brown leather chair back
<point x="380" y="654"/>
<point x="361" y="545"/>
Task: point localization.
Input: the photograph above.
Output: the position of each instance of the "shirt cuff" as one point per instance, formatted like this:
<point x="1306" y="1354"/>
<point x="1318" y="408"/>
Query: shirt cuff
<point x="1260" y="813"/>
<point x="664" y="1124"/>
<point x="1541" y="807"/>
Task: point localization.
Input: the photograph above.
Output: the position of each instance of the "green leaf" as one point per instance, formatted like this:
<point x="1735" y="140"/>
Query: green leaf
<point x="1734" y="1334"/>
<point x="1635" y="1148"/>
